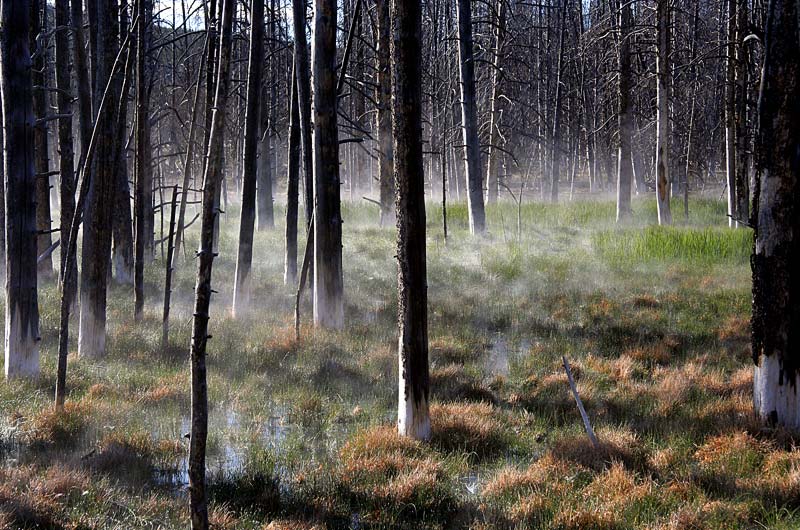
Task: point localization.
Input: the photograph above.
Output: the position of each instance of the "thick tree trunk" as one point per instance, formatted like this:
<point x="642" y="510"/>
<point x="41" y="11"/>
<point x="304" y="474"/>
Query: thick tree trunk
<point x="776" y="257"/>
<point x="662" y="115"/>
<point x="742" y="181"/>
<point x="41" y="150"/>
<point x="328" y="280"/>
<point x="413" y="418"/>
<point x="2" y="201"/>
<point x="469" y="120"/>
<point x="625" y="116"/>
<point x="241" y="284"/>
<point x="198" y="502"/>
<point x="95" y="258"/>
<point x="143" y="197"/>
<point x="266" y="169"/>
<point x="303" y="73"/>
<point x="21" y="295"/>
<point x="492" y="180"/>
<point x="66" y="148"/>
<point x="384" y="116"/>
<point x="292" y="187"/>
<point x="82" y="82"/>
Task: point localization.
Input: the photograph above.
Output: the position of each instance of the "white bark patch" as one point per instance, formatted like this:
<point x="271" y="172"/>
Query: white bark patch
<point x="413" y="417"/>
<point x="22" y="348"/>
<point x="774" y="398"/>
<point x="91" y="333"/>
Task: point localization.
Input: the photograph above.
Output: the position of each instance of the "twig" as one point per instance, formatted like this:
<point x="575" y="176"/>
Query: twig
<point x="585" y="416"/>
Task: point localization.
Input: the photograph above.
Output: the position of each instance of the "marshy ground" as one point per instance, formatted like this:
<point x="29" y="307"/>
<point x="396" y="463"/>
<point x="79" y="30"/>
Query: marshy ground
<point x="655" y="322"/>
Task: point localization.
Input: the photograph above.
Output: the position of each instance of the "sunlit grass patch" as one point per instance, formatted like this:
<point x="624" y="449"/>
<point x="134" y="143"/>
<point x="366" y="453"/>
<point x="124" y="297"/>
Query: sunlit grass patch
<point x="50" y="426"/>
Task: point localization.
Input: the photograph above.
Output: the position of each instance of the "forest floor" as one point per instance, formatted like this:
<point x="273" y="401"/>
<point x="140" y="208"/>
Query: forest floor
<point x="655" y="322"/>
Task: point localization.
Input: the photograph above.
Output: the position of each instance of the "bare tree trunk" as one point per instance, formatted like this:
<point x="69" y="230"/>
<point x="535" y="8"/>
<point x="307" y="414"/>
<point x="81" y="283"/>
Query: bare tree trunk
<point x="2" y="198"/>
<point x="384" y="117"/>
<point x="38" y="25"/>
<point x="494" y="115"/>
<point x="776" y="256"/>
<point x="292" y="187"/>
<point x="469" y="120"/>
<point x="198" y="502"/>
<point x="21" y="295"/>
<point x="413" y="418"/>
<point x="555" y="167"/>
<point x="625" y="118"/>
<point x="143" y="197"/>
<point x="169" y="270"/>
<point x="65" y="142"/>
<point x="328" y="280"/>
<point x="241" y="288"/>
<point x="82" y="83"/>
<point x="662" y="116"/>
<point x="742" y="181"/>
<point x="730" y="113"/>
<point x="266" y="169"/>
<point x="303" y="72"/>
<point x="96" y="255"/>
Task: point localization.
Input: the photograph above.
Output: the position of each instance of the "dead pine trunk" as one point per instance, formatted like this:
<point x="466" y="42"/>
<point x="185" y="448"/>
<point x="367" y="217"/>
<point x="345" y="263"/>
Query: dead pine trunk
<point x="41" y="149"/>
<point x="413" y="417"/>
<point x="96" y="252"/>
<point x="469" y="120"/>
<point x="22" y="307"/>
<point x="143" y="198"/>
<point x="625" y="116"/>
<point x="730" y="114"/>
<point x="241" y="284"/>
<point x="742" y="179"/>
<point x="292" y="188"/>
<point x="328" y="280"/>
<point x="169" y="270"/>
<point x="662" y="114"/>
<point x="198" y="502"/>
<point x="555" y="146"/>
<point x="492" y="180"/>
<point x="66" y="148"/>
<point x="266" y="167"/>
<point x="303" y="73"/>
<point x="384" y="116"/>
<point x="776" y="255"/>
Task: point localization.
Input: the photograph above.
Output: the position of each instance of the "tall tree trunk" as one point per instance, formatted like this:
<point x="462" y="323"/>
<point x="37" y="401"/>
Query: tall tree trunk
<point x="38" y="25"/>
<point x="143" y="197"/>
<point x="266" y="169"/>
<point x="413" y="418"/>
<point x="241" y="288"/>
<point x="303" y="73"/>
<point x="384" y="116"/>
<point x="776" y="256"/>
<point x="662" y="116"/>
<point x="492" y="180"/>
<point x="96" y="254"/>
<point x="21" y="295"/>
<point x="82" y="82"/>
<point x="625" y="116"/>
<point x="328" y="280"/>
<point x="742" y="180"/>
<point x="66" y="150"/>
<point x="555" y="167"/>
<point x="198" y="502"/>
<point x="469" y="120"/>
<point x="292" y="187"/>
<point x="730" y="113"/>
<point x="2" y="199"/>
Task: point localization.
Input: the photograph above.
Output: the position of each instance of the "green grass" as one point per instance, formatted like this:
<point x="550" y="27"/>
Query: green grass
<point x="654" y="322"/>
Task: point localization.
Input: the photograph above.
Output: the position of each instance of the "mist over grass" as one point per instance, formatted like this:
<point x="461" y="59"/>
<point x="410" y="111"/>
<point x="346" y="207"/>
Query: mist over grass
<point x="655" y="322"/>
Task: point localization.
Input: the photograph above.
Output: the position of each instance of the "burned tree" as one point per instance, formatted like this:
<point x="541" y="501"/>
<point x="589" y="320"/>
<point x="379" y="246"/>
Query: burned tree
<point x="662" y="115"/>
<point x="413" y="418"/>
<point x="776" y="255"/>
<point x="22" y="306"/>
<point x="625" y="113"/>
<point x="292" y="187"/>
<point x="384" y="116"/>
<point x="241" y="284"/>
<point x="328" y="281"/>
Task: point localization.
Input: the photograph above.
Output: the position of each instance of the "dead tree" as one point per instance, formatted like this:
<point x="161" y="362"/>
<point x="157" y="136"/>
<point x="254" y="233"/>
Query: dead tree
<point x="38" y="26"/>
<point x="776" y="255"/>
<point x="241" y="284"/>
<point x="492" y="179"/>
<point x="625" y="113"/>
<point x="662" y="114"/>
<point x="66" y="150"/>
<point x="328" y="280"/>
<point x="198" y="502"/>
<point x="264" y="175"/>
<point x="292" y="187"/>
<point x="730" y="113"/>
<point x="143" y="198"/>
<point x="303" y="72"/>
<point x="413" y="418"/>
<point x="384" y="116"/>
<point x="169" y="269"/>
<point x="21" y="295"/>
<point x="82" y="83"/>
<point x="469" y="120"/>
<point x="555" y="145"/>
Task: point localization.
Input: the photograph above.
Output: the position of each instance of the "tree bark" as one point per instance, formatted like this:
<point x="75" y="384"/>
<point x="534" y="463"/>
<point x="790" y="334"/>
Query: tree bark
<point x="742" y="180"/>
<point x="414" y="384"/>
<point x="492" y="178"/>
<point x="82" y="83"/>
<point x="328" y="280"/>
<point x="662" y="115"/>
<point x="21" y="295"/>
<point x="730" y="113"/>
<point x="469" y="120"/>
<point x="241" y="289"/>
<point x="303" y="72"/>
<point x="198" y="502"/>
<point x="776" y="255"/>
<point x="624" y="117"/>
<point x="143" y="198"/>
<point x="555" y="166"/>
<point x="266" y="169"/>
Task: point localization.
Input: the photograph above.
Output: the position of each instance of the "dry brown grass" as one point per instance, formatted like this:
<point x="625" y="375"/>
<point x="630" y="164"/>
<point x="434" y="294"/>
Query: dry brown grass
<point x="452" y="383"/>
<point x="659" y="352"/>
<point x="291" y="524"/>
<point x="468" y="427"/>
<point x="544" y="474"/>
<point x="50" y="426"/>
<point x="617" y="444"/>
